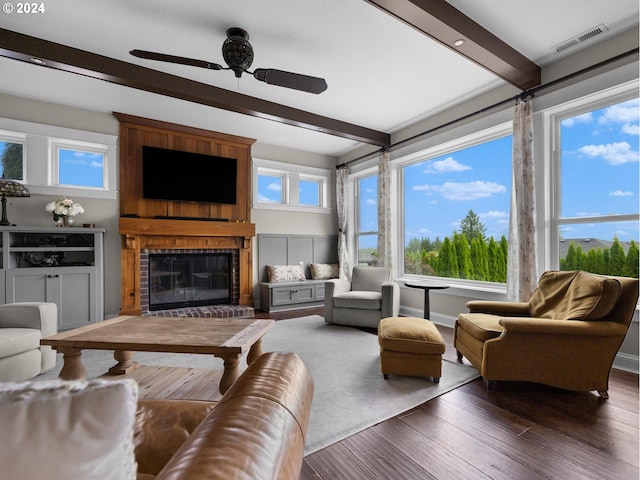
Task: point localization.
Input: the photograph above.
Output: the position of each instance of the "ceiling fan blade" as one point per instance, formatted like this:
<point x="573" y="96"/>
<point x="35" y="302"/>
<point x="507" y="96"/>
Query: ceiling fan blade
<point x="296" y="81"/>
<point x="163" y="57"/>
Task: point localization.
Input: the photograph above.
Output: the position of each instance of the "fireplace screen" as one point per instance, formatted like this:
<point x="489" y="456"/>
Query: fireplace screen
<point x="189" y="280"/>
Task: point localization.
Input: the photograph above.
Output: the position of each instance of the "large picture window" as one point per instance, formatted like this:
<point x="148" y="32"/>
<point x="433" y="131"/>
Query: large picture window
<point x="456" y="209"/>
<point x="596" y="215"/>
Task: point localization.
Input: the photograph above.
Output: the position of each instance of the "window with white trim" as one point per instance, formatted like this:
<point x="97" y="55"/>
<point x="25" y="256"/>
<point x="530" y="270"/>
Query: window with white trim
<point x="285" y="186"/>
<point x="78" y="164"/>
<point x="455" y="201"/>
<point x="595" y="171"/>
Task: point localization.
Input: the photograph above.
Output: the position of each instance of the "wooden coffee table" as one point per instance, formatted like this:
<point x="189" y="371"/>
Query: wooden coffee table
<point x="227" y="338"/>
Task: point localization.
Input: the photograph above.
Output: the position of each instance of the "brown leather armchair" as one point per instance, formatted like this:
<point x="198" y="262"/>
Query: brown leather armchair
<point x="566" y="336"/>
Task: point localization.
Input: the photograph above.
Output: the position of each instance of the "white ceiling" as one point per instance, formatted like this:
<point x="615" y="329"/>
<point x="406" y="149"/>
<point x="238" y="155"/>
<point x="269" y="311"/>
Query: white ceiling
<point x="381" y="73"/>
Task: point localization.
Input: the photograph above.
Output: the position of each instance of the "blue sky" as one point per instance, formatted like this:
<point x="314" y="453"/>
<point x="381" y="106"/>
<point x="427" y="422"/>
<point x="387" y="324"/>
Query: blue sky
<point x="270" y="190"/>
<point x="81" y="168"/>
<point x="600" y="175"/>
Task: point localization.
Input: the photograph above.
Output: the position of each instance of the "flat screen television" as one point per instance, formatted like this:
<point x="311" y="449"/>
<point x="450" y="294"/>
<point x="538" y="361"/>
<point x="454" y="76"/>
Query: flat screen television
<point x="192" y="177"/>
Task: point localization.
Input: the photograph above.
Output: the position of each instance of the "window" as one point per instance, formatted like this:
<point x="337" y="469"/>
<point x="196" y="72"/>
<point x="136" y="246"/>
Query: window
<point x="270" y="188"/>
<point x="367" y="220"/>
<point x="284" y="186"/>
<point x="456" y="201"/>
<point x="79" y="164"/>
<point x="596" y="212"/>
<point x="12" y="156"/>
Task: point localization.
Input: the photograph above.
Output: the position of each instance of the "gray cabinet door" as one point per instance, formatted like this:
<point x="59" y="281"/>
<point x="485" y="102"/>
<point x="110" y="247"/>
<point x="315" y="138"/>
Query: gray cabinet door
<point x="73" y="289"/>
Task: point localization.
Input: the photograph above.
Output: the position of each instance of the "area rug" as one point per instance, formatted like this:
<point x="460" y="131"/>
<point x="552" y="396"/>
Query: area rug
<point x="350" y="392"/>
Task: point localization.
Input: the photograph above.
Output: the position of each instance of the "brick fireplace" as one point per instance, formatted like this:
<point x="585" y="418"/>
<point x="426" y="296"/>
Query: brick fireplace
<point x="143" y="237"/>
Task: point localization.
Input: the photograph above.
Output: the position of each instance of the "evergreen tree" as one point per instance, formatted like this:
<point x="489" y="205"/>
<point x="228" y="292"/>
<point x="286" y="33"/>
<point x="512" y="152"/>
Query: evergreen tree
<point x="631" y="264"/>
<point x="504" y="251"/>
<point x="12" y="161"/>
<point x="447" y="262"/>
<point x="599" y="265"/>
<point x="471" y="227"/>
<point x="580" y="259"/>
<point x="616" y="258"/>
<point x="494" y="256"/>
<point x="570" y="261"/>
<point x="480" y="260"/>
<point x="463" y="255"/>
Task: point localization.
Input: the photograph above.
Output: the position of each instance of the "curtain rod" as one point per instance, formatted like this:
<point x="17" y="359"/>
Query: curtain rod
<point x="525" y="94"/>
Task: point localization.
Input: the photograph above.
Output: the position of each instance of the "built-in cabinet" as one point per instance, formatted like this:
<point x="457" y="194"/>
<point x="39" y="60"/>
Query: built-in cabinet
<point x="283" y="296"/>
<point x="59" y="265"/>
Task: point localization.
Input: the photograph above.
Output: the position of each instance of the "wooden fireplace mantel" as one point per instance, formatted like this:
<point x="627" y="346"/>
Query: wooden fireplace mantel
<point x="190" y="228"/>
<point x="139" y="234"/>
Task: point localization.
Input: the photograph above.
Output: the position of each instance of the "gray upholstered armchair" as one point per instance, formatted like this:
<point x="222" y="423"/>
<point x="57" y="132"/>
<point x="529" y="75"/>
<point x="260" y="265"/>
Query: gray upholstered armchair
<point x="369" y="297"/>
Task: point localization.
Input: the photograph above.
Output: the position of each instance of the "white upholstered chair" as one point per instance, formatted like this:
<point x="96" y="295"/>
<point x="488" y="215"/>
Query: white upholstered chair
<point x="22" y="325"/>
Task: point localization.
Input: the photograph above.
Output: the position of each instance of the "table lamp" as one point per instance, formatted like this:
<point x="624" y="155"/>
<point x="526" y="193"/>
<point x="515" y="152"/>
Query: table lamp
<point x="10" y="188"/>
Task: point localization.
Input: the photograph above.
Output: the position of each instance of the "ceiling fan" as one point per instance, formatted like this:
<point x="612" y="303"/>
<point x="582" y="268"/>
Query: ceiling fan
<point x="237" y="53"/>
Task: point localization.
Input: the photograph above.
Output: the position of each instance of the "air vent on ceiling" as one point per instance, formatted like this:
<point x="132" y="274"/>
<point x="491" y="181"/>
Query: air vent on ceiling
<point x="583" y="37"/>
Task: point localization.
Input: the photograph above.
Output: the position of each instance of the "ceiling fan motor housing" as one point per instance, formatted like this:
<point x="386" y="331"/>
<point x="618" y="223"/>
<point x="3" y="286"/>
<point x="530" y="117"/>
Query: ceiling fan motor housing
<point x="237" y="51"/>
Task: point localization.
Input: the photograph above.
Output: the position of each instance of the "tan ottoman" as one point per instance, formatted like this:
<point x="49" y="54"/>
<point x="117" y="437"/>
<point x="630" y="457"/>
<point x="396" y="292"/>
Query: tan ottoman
<point x="410" y="346"/>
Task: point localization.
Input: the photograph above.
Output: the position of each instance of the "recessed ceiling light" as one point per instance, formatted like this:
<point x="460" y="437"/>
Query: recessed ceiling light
<point x="39" y="61"/>
<point x="459" y="42"/>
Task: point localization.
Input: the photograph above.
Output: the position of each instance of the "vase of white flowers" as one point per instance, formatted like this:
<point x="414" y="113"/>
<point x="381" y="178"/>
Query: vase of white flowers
<point x="63" y="209"/>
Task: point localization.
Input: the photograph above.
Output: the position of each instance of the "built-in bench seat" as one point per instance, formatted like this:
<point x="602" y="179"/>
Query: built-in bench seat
<point x="283" y="296"/>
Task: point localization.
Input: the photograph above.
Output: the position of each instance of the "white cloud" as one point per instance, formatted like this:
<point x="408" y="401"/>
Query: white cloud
<point x="493" y="215"/>
<point x="275" y="186"/>
<point x="622" y="113"/>
<point x="449" y="164"/>
<point x="370" y="201"/>
<point x="613" y="153"/>
<point x="464" y="191"/>
<point x="95" y="164"/>
<point x="631" y="129"/>
<point x="262" y="198"/>
<point x="620" y="193"/>
<point x="584" y="118"/>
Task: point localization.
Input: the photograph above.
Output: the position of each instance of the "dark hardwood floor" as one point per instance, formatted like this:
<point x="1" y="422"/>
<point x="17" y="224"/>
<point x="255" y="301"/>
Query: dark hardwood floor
<point x="521" y="431"/>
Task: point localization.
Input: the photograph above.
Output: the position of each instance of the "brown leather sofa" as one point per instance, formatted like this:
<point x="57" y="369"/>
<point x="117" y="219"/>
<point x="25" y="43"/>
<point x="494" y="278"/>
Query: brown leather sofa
<point x="566" y="336"/>
<point x="256" y="431"/>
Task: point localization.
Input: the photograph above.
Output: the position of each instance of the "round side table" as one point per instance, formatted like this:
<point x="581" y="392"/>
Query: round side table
<point x="427" y="286"/>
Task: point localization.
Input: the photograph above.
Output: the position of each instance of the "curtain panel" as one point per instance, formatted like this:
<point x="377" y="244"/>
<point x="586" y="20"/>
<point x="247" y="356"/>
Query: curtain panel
<point x="342" y="175"/>
<point x="522" y="261"/>
<point x="385" y="254"/>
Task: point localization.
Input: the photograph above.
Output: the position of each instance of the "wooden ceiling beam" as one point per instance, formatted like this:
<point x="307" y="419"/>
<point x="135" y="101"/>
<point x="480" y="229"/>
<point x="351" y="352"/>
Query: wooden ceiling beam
<point x="446" y="24"/>
<point x="68" y="59"/>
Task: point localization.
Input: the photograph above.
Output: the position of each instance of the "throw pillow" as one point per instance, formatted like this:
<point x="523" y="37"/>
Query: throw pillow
<point x="285" y="273"/>
<point x="574" y="295"/>
<point x="58" y="430"/>
<point x="324" y="271"/>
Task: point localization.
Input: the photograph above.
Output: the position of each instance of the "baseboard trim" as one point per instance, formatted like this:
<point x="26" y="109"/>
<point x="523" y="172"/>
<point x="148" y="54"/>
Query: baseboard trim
<point x="626" y="362"/>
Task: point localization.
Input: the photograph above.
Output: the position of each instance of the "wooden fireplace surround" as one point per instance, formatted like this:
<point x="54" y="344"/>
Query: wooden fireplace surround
<point x="185" y="225"/>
